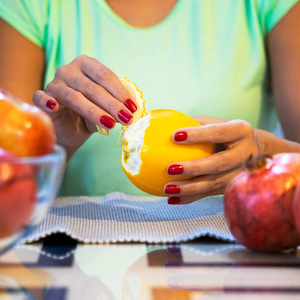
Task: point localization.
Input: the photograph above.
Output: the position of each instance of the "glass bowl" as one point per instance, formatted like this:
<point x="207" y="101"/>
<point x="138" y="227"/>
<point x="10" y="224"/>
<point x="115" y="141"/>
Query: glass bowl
<point x="28" y="186"/>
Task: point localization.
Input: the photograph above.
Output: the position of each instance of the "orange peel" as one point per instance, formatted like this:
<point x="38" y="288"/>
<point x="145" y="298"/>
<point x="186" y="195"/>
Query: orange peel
<point x="148" y="149"/>
<point x="139" y="100"/>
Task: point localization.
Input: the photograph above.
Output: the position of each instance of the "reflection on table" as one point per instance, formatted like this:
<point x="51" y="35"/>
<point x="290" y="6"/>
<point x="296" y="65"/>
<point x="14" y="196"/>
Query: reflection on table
<point x="60" y="268"/>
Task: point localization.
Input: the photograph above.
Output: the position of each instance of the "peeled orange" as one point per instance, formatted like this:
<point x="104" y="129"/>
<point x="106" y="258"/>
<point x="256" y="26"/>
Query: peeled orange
<point x="148" y="149"/>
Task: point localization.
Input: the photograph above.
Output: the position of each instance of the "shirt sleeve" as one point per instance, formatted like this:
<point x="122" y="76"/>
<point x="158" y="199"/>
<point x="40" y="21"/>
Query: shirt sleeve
<point x="29" y="17"/>
<point x="272" y="11"/>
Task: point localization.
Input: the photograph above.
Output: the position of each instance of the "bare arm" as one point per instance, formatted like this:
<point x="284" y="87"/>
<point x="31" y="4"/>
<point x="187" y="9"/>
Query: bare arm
<point x="239" y="138"/>
<point x="84" y="92"/>
<point x="284" y="54"/>
<point x="21" y="64"/>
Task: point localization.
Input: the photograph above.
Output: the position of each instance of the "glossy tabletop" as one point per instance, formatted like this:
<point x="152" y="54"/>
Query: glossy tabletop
<point x="59" y="268"/>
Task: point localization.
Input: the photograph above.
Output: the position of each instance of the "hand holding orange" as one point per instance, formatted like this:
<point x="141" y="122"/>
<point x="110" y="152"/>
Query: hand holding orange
<point x="148" y="149"/>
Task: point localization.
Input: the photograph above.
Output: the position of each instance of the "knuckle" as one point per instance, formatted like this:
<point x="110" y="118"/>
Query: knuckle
<point x="50" y="87"/>
<point x="90" y="89"/>
<point x="246" y="127"/>
<point x="104" y="74"/>
<point x="193" y="189"/>
<point x="217" y="184"/>
<point x="37" y="96"/>
<point x="61" y="71"/>
<point x="222" y="165"/>
<point x="91" y="112"/>
<point x="194" y="169"/>
<point x="213" y="183"/>
<point x="80" y="58"/>
<point x="123" y="93"/>
<point x="219" y="133"/>
<point x="70" y="95"/>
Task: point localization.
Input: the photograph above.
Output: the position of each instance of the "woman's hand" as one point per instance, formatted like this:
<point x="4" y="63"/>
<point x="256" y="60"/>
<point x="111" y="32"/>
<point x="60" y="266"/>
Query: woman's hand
<point x="236" y="140"/>
<point x="82" y="94"/>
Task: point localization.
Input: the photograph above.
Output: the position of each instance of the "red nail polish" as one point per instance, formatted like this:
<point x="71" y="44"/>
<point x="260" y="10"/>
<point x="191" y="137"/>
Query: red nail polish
<point x="107" y="121"/>
<point x="51" y="104"/>
<point x="175" y="169"/>
<point x="174" y="200"/>
<point x="124" y="116"/>
<point x="180" y="136"/>
<point x="172" y="189"/>
<point x="130" y="105"/>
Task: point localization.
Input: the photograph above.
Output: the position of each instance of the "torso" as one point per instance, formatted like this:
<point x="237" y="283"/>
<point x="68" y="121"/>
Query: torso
<point x="183" y="55"/>
<point x="141" y="13"/>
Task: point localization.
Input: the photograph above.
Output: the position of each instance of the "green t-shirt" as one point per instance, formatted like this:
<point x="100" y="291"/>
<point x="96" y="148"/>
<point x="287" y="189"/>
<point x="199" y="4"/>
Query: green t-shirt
<point x="207" y="57"/>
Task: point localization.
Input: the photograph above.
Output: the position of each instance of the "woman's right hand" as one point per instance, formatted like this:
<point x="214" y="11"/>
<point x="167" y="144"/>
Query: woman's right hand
<point x="84" y="93"/>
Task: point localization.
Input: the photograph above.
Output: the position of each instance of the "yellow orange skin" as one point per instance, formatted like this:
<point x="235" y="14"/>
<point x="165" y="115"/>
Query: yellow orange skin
<point x="25" y="129"/>
<point x="159" y="151"/>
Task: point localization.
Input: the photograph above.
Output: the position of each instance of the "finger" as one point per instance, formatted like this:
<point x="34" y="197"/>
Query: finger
<point x="78" y="103"/>
<point x="220" y="162"/>
<point x="65" y="75"/>
<point x="182" y="200"/>
<point x="213" y="133"/>
<point x="45" y="102"/>
<point x="106" y="78"/>
<point x="206" y="185"/>
<point x="100" y="96"/>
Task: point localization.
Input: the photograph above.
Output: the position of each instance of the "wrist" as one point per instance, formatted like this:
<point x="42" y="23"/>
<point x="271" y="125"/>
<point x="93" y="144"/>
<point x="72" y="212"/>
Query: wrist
<point x="260" y="141"/>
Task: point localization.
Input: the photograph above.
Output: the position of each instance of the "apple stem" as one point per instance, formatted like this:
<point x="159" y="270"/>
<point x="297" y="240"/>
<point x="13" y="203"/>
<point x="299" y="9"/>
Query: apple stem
<point x="257" y="162"/>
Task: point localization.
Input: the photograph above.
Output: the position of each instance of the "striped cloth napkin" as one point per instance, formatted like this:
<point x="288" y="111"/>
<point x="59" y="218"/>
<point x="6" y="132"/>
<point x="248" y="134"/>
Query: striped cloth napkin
<point x="117" y="217"/>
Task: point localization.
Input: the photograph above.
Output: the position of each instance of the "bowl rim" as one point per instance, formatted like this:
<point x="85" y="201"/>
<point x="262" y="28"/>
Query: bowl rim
<point x="58" y="153"/>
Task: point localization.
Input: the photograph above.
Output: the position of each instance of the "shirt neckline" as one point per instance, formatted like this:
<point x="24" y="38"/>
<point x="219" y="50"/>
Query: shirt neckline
<point x="121" y="22"/>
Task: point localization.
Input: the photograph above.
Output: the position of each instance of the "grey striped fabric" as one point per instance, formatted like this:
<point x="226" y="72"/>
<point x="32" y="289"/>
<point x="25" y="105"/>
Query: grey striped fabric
<point x="117" y="217"/>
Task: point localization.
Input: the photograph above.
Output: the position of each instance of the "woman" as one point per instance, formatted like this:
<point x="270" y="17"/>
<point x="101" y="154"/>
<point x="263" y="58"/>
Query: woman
<point x="207" y="58"/>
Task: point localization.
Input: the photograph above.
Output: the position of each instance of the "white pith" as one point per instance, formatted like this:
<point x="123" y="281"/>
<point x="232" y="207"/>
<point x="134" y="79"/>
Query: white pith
<point x="133" y="138"/>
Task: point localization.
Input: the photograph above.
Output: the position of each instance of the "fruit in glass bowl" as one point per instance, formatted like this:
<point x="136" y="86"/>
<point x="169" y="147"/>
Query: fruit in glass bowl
<point x="15" y="180"/>
<point x="28" y="186"/>
<point x="31" y="166"/>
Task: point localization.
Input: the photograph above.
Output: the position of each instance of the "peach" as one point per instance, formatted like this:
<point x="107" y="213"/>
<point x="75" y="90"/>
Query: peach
<point x="25" y="129"/>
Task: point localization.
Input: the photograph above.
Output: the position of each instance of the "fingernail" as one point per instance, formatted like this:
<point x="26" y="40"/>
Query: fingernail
<point x="175" y="169"/>
<point x="107" y="121"/>
<point x="51" y="104"/>
<point x="172" y="189"/>
<point x="130" y="105"/>
<point x="124" y="116"/>
<point x="180" y="136"/>
<point x="174" y="200"/>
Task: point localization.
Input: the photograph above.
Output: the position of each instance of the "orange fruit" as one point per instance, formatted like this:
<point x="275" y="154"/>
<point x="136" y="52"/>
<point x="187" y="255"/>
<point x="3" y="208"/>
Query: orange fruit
<point x="148" y="149"/>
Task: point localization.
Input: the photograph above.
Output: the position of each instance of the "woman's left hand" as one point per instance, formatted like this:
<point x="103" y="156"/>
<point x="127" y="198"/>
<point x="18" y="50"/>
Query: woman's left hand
<point x="236" y="140"/>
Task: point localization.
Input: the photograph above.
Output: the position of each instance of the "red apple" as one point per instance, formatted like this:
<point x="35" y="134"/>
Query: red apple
<point x="258" y="203"/>
<point x="25" y="129"/>
<point x="17" y="194"/>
